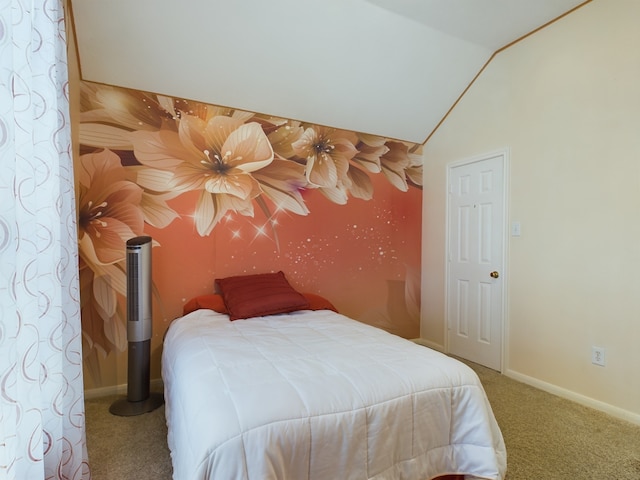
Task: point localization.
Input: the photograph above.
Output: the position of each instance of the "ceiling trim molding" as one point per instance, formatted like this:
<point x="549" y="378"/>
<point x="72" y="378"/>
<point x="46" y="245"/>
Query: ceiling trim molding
<point x="501" y="49"/>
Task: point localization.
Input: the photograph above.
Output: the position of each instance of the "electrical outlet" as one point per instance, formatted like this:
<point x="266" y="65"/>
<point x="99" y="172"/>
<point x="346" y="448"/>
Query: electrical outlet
<point x="597" y="356"/>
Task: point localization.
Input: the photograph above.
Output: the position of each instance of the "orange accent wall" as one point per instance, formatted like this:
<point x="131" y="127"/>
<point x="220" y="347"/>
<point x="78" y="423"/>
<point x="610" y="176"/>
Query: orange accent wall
<point x="351" y="233"/>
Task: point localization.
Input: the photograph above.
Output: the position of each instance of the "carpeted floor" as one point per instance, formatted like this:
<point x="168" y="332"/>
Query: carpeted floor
<point x="126" y="448"/>
<point x="547" y="438"/>
<point x="550" y="438"/>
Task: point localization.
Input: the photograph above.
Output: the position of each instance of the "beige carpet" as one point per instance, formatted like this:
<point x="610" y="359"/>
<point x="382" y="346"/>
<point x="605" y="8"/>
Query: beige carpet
<point x="550" y="438"/>
<point x="547" y="438"/>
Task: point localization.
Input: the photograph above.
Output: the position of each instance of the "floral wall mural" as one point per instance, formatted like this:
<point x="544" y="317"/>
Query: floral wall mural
<point x="229" y="192"/>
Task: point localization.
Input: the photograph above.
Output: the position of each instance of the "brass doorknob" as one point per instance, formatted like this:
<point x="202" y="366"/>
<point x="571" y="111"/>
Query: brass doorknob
<point x="494" y="274"/>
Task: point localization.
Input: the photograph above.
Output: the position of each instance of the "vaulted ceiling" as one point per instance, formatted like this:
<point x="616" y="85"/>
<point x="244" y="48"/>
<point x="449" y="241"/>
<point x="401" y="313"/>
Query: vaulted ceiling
<point x="392" y="68"/>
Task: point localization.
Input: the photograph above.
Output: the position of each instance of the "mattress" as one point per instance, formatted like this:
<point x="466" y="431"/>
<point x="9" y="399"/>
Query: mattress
<point x="316" y="395"/>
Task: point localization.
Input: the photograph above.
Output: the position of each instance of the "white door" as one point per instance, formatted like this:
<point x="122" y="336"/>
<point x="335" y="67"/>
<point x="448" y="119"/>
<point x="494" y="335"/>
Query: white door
<point x="475" y="278"/>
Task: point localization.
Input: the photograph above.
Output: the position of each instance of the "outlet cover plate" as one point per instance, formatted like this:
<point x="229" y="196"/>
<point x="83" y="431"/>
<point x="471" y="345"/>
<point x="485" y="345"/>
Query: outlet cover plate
<point x="597" y="356"/>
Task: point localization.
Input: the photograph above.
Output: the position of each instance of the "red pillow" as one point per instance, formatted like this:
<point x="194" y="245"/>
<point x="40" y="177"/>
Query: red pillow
<point x="247" y="296"/>
<point x="210" y="302"/>
<point x="316" y="302"/>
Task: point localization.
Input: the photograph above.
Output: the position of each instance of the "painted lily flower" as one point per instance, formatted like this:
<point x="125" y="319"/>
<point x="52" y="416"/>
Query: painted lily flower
<point x="414" y="170"/>
<point x="215" y="157"/>
<point x="327" y="152"/>
<point x="109" y="114"/>
<point x="284" y="137"/>
<point x="398" y="163"/>
<point x="109" y="208"/>
<point x="124" y="108"/>
<point x="109" y="214"/>
<point x="370" y="149"/>
<point x="283" y="182"/>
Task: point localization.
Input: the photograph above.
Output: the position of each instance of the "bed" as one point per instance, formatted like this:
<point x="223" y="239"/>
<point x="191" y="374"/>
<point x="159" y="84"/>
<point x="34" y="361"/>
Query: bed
<point x="308" y="393"/>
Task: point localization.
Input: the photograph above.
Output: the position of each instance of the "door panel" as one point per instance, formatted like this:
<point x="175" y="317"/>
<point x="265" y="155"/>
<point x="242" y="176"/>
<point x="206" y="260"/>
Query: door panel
<point x="476" y="249"/>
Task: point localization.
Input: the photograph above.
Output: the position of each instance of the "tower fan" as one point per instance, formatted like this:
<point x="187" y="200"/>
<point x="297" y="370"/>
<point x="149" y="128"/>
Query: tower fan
<point x="139" y="400"/>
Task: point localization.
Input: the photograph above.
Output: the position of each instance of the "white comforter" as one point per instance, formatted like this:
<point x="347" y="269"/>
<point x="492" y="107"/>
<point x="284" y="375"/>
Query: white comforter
<point x="316" y="395"/>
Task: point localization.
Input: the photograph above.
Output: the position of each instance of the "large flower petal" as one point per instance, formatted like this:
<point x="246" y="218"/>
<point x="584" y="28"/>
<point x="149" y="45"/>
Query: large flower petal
<point x="156" y="211"/>
<point x="104" y="136"/>
<point x="369" y="157"/>
<point x="322" y="171"/>
<point x="238" y="184"/>
<point x="192" y="137"/>
<point x="414" y="174"/>
<point x="396" y="178"/>
<point x="161" y="149"/>
<point x="394" y="163"/>
<point x="108" y="240"/>
<point x="341" y="158"/>
<point x="129" y="109"/>
<point x="282" y="139"/>
<point x="282" y="181"/>
<point x="337" y="195"/>
<point x="112" y="192"/>
<point x="206" y="215"/>
<point x="166" y="103"/>
<point x="345" y="144"/>
<point x="105" y="297"/>
<point x="361" y="186"/>
<point x="153" y="179"/>
<point x="303" y="147"/>
<point x="125" y="208"/>
<point x="371" y="140"/>
<point x="188" y="177"/>
<point x="242" y="207"/>
<point x="217" y="131"/>
<point x="101" y="168"/>
<point x="117" y="275"/>
<point x="249" y="147"/>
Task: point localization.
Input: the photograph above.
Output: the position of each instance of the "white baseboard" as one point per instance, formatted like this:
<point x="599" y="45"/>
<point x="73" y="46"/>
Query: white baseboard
<point x="155" y="385"/>
<point x="426" y="343"/>
<point x="575" y="397"/>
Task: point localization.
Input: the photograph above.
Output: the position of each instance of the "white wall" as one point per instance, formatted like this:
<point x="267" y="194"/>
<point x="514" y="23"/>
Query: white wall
<point x="321" y="61"/>
<point x="566" y="102"/>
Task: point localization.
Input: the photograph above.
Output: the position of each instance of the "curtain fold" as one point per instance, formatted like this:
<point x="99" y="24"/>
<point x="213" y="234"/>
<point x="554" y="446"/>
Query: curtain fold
<point x="42" y="433"/>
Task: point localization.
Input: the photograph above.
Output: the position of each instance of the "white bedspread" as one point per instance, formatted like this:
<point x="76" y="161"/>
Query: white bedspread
<point x="315" y="395"/>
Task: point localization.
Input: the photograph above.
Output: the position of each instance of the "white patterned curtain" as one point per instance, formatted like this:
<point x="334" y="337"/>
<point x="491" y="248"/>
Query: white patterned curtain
<point x="42" y="429"/>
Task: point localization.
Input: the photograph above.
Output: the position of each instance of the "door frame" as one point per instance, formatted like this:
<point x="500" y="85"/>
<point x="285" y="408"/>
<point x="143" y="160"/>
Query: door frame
<point x="504" y="153"/>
